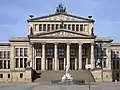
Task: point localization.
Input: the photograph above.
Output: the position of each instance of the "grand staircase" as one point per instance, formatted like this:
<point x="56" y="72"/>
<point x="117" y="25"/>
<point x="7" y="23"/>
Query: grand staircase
<point x="47" y="76"/>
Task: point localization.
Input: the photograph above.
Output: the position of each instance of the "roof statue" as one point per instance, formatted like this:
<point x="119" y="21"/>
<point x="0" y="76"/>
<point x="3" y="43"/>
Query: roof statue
<point x="61" y="9"/>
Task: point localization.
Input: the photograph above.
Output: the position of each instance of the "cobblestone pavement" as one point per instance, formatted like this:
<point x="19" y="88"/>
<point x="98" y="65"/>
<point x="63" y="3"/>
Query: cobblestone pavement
<point x="37" y="86"/>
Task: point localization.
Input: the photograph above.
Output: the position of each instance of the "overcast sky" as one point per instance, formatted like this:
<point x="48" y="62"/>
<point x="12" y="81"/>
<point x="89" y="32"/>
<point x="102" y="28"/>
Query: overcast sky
<point x="14" y="13"/>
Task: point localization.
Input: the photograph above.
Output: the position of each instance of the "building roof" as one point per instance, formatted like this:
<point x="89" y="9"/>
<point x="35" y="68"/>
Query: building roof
<point x="55" y="14"/>
<point x="103" y="40"/>
<point x="4" y="44"/>
<point x="19" y="39"/>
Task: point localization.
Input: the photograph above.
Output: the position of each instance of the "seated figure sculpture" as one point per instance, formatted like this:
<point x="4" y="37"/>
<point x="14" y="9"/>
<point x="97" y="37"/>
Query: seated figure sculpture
<point x="67" y="76"/>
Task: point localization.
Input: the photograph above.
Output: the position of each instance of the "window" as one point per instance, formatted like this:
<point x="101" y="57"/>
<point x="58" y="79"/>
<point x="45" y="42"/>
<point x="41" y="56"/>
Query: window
<point x="96" y="52"/>
<point x="8" y="55"/>
<point x="61" y="26"/>
<point x="56" y="26"/>
<point x="21" y="62"/>
<point x="4" y="64"/>
<point x="0" y="54"/>
<point x="21" y="51"/>
<point x="8" y="75"/>
<point x="61" y="52"/>
<point x="1" y="65"/>
<point x="113" y="54"/>
<point x="73" y="27"/>
<point x="38" y="52"/>
<point x="40" y="27"/>
<point x="52" y="27"/>
<point x="16" y="52"/>
<point x="8" y="64"/>
<point x="117" y="54"/>
<point x="36" y="27"/>
<point x="5" y="55"/>
<point x="17" y="62"/>
<point x="72" y="52"/>
<point x="21" y="75"/>
<point x="1" y="75"/>
<point x="25" y="52"/>
<point x="104" y="52"/>
<point x="81" y="27"/>
<point x="44" y="27"/>
<point x="69" y="26"/>
<point x="48" y="27"/>
<point x="77" y="27"/>
<point x="65" y="26"/>
<point x="84" y="51"/>
<point x="49" y="52"/>
<point x="25" y="62"/>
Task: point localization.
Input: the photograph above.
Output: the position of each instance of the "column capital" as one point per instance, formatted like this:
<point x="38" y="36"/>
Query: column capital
<point x="55" y="43"/>
<point x="68" y="43"/>
<point x="43" y="43"/>
<point x="80" y="43"/>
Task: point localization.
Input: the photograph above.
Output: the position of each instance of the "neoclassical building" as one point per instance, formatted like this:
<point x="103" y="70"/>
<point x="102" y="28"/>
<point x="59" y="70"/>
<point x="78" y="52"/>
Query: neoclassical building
<point x="57" y="40"/>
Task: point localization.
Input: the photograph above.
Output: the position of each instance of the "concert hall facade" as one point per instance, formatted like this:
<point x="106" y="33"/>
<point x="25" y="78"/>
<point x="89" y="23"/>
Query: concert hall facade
<point x="54" y="41"/>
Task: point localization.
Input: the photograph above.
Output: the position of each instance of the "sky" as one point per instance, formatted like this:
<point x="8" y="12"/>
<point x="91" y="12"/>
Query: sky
<point x="14" y="15"/>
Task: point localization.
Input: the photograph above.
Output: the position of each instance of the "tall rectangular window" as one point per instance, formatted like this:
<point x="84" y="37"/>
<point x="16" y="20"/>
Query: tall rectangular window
<point x="73" y="27"/>
<point x="1" y="75"/>
<point x="8" y="55"/>
<point x="77" y="27"/>
<point x="56" y="26"/>
<point x="113" y="64"/>
<point x="117" y="64"/>
<point x="4" y="64"/>
<point x="104" y="63"/>
<point x="1" y="65"/>
<point x="16" y="51"/>
<point x="5" y="55"/>
<point x="44" y="27"/>
<point x="48" y="27"/>
<point x="25" y="52"/>
<point x="25" y="62"/>
<point x="61" y="52"/>
<point x="8" y="64"/>
<point x="8" y="75"/>
<point x="21" y="51"/>
<point x="0" y="54"/>
<point x="21" y="75"/>
<point x="72" y="52"/>
<point x="40" y="27"/>
<point x="81" y="27"/>
<point x="50" y="52"/>
<point x="21" y="62"/>
<point x="38" y="52"/>
<point x="52" y="27"/>
<point x="17" y="62"/>
<point x="65" y="26"/>
<point x="69" y="26"/>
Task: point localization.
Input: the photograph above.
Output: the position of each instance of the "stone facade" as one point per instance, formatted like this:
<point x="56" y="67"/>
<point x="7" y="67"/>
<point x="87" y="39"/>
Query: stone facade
<point x="54" y="41"/>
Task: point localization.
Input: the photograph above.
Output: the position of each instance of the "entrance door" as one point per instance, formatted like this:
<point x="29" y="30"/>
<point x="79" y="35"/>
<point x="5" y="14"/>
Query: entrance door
<point x="49" y="64"/>
<point x="38" y="63"/>
<point x="61" y="64"/>
<point x="72" y="64"/>
<point x="83" y="63"/>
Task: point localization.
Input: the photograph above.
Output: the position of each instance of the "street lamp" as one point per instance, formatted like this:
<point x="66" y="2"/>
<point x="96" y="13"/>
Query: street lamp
<point x="88" y="67"/>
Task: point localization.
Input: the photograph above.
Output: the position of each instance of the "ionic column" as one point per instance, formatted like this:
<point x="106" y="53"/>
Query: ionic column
<point x="68" y="54"/>
<point x="56" y="57"/>
<point x="43" y="57"/>
<point x="80" y="56"/>
<point x="92" y="56"/>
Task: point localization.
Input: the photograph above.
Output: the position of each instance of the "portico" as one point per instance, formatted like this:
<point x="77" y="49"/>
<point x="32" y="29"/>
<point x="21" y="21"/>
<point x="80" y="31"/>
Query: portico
<point x="54" y="56"/>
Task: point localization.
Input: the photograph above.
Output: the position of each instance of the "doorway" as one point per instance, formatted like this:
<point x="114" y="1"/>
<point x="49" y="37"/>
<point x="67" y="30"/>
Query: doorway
<point x="50" y="63"/>
<point x="38" y="63"/>
<point x="72" y="64"/>
<point x="61" y="63"/>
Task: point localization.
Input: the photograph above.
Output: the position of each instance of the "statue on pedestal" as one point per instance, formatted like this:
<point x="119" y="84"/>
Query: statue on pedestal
<point x="67" y="76"/>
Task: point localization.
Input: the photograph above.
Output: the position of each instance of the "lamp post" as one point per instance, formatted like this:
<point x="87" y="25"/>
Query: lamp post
<point x="101" y="62"/>
<point x="88" y="67"/>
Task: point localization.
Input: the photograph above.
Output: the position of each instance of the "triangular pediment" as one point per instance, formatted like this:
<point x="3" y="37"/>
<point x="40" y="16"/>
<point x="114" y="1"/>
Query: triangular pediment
<point x="60" y="17"/>
<point x="62" y="33"/>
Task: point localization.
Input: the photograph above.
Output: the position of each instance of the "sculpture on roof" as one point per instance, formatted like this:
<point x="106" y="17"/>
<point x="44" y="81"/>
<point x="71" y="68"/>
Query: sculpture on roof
<point x="61" y="9"/>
